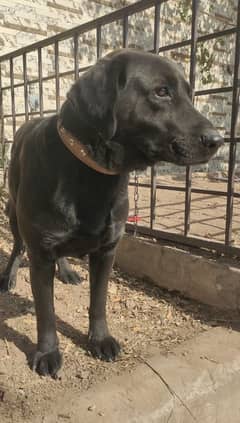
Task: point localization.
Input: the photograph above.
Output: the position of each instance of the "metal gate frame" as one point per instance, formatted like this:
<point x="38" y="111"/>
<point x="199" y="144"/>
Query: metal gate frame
<point x="123" y="14"/>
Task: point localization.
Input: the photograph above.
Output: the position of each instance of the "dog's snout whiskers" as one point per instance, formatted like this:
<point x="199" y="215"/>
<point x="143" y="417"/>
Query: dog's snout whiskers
<point x="178" y="148"/>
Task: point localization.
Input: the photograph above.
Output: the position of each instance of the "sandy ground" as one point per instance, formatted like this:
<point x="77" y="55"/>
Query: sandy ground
<point x="140" y="316"/>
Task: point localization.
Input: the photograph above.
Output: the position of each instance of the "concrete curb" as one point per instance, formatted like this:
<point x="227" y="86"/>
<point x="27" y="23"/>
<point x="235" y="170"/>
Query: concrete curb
<point x="202" y="279"/>
<point x="198" y="382"/>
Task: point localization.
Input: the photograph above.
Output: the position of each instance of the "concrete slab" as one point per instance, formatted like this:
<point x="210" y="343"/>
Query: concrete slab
<point x="198" y="382"/>
<point x="209" y="281"/>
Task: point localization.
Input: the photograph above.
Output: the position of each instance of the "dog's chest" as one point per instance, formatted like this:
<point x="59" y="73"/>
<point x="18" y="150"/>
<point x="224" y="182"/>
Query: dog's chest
<point x="88" y="237"/>
<point x="88" y="226"/>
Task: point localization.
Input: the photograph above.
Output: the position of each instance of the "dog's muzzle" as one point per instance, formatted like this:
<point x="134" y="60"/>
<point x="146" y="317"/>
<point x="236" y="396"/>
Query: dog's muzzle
<point x="212" y="140"/>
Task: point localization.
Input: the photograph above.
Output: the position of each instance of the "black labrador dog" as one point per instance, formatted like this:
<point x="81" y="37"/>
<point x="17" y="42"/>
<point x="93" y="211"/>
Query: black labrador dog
<point x="68" y="179"/>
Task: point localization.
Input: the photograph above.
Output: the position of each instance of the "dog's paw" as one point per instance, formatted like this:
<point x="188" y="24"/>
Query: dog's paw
<point x="107" y="349"/>
<point x="7" y="282"/>
<point x="70" y="277"/>
<point x="48" y="363"/>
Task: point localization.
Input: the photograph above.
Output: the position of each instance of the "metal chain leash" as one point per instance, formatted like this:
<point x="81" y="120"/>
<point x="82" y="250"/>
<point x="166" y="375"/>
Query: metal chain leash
<point x="136" y="198"/>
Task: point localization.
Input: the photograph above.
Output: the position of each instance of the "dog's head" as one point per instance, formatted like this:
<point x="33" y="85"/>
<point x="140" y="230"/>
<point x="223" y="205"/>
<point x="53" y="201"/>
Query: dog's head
<point x="134" y="109"/>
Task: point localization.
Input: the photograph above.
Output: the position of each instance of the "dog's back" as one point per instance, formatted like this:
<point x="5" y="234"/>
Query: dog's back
<point x="21" y="137"/>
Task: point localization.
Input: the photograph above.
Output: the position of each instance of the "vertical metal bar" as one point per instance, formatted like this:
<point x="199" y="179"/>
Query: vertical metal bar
<point x="194" y="34"/>
<point x="125" y="31"/>
<point x="233" y="144"/>
<point x="156" y="43"/>
<point x="56" y="59"/>
<point x="40" y="81"/>
<point x="76" y="57"/>
<point x="1" y="124"/>
<point x="12" y="97"/>
<point x="25" y="86"/>
<point x="99" y="39"/>
<point x="1" y="107"/>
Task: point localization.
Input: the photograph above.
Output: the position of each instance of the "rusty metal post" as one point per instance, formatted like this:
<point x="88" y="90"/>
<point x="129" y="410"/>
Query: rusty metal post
<point x="40" y="81"/>
<point x="25" y="86"/>
<point x="125" y="31"/>
<point x="233" y="144"/>
<point x="57" y="82"/>
<point x="12" y="97"/>
<point x="156" y="43"/>
<point x="99" y="40"/>
<point x="76" y="57"/>
<point x="1" y="125"/>
<point x="188" y="192"/>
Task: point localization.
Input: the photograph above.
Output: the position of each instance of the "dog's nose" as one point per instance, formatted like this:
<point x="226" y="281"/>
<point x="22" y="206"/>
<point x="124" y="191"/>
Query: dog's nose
<point x="212" y="140"/>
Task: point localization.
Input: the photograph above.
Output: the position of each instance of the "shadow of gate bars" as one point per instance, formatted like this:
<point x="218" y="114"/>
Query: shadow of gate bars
<point x="24" y="91"/>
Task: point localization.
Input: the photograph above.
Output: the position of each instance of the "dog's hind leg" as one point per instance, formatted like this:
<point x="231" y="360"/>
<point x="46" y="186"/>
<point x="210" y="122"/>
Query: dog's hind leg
<point x="8" y="277"/>
<point x="66" y="274"/>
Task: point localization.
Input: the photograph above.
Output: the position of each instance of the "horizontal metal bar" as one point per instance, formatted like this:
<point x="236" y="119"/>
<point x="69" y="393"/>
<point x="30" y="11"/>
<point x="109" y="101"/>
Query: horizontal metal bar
<point x="85" y="27"/>
<point x="6" y="141"/>
<point x="210" y="91"/>
<point x="182" y="189"/>
<point x="33" y="81"/>
<point x="188" y="241"/>
<point x="236" y="139"/>
<point x="29" y="113"/>
<point x="47" y="78"/>
<point x="8" y="87"/>
<point x="200" y="39"/>
<point x="217" y="34"/>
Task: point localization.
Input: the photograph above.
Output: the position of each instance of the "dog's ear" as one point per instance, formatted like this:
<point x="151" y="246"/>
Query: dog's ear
<point x="93" y="97"/>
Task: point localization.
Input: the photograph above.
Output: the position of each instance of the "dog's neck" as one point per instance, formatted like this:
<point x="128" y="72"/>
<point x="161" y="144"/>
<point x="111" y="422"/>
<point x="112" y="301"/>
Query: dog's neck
<point x="107" y="154"/>
<point x="80" y="151"/>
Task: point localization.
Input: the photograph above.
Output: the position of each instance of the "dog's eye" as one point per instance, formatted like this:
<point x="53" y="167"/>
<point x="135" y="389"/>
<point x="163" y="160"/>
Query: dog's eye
<point x="162" y="92"/>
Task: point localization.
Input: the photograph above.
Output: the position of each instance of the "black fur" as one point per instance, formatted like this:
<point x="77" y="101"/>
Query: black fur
<point x="132" y="109"/>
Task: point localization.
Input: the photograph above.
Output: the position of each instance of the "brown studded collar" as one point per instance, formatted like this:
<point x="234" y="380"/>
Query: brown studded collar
<point x="80" y="151"/>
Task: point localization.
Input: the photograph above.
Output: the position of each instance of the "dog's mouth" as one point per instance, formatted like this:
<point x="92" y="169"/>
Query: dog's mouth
<point x="174" y="152"/>
<point x="179" y="151"/>
<point x="182" y="154"/>
<point x="156" y="148"/>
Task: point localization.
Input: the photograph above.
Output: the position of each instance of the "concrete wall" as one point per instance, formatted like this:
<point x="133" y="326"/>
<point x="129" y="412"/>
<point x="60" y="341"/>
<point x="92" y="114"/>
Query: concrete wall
<point x="202" y="279"/>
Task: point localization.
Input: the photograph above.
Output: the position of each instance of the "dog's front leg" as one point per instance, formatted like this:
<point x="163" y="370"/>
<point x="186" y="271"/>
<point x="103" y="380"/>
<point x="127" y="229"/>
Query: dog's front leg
<point x="101" y="343"/>
<point x="47" y="360"/>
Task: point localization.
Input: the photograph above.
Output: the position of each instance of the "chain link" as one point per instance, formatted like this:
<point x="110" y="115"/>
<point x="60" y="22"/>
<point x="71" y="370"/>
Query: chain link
<point x="136" y="198"/>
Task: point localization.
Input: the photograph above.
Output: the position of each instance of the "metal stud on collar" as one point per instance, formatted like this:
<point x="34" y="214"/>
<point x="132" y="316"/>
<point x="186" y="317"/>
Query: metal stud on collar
<point x="78" y="150"/>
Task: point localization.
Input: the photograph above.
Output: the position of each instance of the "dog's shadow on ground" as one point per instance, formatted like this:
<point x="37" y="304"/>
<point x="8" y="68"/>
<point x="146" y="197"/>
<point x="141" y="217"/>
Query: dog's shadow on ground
<point x="13" y="305"/>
